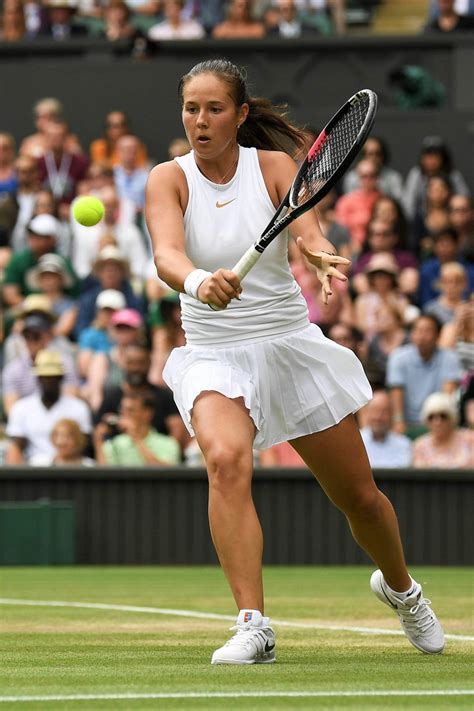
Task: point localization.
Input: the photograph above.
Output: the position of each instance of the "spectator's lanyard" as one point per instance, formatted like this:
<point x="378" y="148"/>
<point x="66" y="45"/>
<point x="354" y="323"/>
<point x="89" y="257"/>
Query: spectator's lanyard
<point x="57" y="178"/>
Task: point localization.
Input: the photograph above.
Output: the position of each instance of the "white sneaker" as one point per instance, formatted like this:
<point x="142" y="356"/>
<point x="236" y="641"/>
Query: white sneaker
<point x="253" y="642"/>
<point x="418" y="620"/>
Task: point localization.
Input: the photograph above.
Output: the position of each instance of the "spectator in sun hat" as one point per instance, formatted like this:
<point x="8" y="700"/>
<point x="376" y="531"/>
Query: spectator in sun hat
<point x="32" y="418"/>
<point x="95" y="338"/>
<point x="445" y="445"/>
<point x="43" y="232"/>
<point x="18" y="377"/>
<point x="107" y="369"/>
<point x="110" y="271"/>
<point x="382" y="273"/>
<point x="50" y="277"/>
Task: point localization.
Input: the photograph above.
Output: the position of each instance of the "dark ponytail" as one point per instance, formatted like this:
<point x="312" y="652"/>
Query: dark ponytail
<point x="266" y="126"/>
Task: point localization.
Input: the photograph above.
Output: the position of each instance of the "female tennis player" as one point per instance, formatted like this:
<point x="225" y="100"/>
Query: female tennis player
<point x="256" y="372"/>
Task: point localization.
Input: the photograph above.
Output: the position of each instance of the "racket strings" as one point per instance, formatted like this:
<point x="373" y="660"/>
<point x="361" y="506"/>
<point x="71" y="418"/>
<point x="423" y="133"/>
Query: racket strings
<point x="333" y="150"/>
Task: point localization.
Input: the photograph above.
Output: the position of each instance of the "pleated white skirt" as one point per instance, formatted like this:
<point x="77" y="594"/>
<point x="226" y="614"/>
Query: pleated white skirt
<point x="292" y="385"/>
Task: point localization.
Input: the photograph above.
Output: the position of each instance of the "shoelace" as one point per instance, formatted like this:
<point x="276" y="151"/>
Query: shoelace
<point x="244" y="635"/>
<point x="419" y="617"/>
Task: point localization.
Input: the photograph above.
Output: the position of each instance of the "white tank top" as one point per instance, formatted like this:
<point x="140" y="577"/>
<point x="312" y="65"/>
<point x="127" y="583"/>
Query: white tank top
<point x="220" y="223"/>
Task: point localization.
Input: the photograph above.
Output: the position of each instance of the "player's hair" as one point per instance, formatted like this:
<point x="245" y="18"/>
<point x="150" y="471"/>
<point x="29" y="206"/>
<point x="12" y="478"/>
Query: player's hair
<point x="266" y="126"/>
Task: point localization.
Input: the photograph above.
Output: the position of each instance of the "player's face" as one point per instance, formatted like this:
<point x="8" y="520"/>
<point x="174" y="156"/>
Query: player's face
<point x="210" y="116"/>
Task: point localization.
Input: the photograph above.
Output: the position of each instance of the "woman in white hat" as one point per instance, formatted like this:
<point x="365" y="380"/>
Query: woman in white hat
<point x="95" y="338"/>
<point x="445" y="445"/>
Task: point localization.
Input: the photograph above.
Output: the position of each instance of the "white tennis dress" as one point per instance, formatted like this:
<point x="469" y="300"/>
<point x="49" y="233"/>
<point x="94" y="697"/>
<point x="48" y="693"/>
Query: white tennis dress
<point x="293" y="379"/>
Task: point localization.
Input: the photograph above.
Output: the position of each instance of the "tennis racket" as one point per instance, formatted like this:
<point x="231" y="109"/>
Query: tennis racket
<point x="327" y="160"/>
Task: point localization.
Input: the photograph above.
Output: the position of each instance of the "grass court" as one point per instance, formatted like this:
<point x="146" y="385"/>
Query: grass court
<point x="336" y="655"/>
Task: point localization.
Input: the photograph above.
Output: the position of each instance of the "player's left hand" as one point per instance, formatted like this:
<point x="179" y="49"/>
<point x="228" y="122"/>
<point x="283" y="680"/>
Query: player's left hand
<point x="324" y="264"/>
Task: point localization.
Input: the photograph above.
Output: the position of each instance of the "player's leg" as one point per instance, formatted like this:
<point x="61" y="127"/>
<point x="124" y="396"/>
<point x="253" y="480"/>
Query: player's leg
<point x="338" y="459"/>
<point x="225" y="433"/>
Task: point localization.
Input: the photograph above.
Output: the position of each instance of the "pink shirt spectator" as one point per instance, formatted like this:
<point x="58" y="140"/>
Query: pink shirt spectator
<point x="458" y="453"/>
<point x="354" y="210"/>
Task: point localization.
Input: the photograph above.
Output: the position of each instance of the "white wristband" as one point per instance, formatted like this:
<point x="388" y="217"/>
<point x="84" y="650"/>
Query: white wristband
<point x="194" y="280"/>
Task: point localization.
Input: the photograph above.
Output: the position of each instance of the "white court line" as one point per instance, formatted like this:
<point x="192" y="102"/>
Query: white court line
<point x="212" y="616"/>
<point x="240" y="695"/>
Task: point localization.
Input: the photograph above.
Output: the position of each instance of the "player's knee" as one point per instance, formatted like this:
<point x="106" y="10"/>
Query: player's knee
<point x="364" y="504"/>
<point x="228" y="467"/>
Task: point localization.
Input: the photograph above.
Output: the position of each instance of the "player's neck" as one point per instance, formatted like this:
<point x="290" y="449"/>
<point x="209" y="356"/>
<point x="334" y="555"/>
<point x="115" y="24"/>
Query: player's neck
<point x="223" y="172"/>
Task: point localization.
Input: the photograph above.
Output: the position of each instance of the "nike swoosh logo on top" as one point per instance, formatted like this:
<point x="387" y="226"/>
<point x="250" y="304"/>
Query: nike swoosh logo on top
<point x="223" y="204"/>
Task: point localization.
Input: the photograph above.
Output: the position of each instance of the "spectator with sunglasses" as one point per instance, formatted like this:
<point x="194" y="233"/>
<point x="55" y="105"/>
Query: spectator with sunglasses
<point x="445" y="445"/>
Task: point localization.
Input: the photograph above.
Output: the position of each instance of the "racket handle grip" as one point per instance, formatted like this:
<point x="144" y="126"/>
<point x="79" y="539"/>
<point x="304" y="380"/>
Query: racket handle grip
<point x="242" y="268"/>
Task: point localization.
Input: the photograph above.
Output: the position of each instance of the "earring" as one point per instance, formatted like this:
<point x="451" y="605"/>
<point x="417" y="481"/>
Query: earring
<point x="238" y="125"/>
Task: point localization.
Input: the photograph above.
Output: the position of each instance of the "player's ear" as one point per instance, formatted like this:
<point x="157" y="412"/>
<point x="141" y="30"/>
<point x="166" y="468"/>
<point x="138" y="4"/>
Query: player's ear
<point x="243" y="113"/>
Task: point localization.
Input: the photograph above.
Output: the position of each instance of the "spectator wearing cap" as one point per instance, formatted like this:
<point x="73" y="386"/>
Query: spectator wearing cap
<point x="138" y="443"/>
<point x="51" y="278"/>
<point x="128" y="237"/>
<point x="434" y="159"/>
<point x="43" y="232"/>
<point x="354" y="210"/>
<point x="385" y="448"/>
<point x="417" y="370"/>
<point x="18" y="377"/>
<point x="107" y="369"/>
<point x="95" y="338"/>
<point x="445" y="445"/>
<point x="166" y="418"/>
<point x="382" y="276"/>
<point x="32" y="418"/>
<point x="110" y="271"/>
<point x="60" y="23"/>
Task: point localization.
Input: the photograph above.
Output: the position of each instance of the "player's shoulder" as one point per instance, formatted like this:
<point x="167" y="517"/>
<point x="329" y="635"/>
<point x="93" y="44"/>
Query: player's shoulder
<point x="166" y="175"/>
<point x="278" y="159"/>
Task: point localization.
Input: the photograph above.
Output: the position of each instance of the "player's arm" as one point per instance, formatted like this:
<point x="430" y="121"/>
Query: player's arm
<point x="306" y="230"/>
<point x="165" y="195"/>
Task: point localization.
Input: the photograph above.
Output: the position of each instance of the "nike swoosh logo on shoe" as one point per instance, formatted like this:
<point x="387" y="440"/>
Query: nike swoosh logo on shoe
<point x="223" y="204"/>
<point x="269" y="647"/>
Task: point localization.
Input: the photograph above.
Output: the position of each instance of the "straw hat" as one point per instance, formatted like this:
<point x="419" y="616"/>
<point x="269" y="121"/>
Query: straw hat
<point x="48" y="364"/>
<point x="382" y="262"/>
<point x="49" y="263"/>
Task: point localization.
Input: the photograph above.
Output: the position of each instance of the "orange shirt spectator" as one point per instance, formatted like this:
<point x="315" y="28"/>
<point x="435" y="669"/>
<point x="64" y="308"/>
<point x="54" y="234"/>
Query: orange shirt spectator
<point x="354" y="210"/>
<point x="104" y="150"/>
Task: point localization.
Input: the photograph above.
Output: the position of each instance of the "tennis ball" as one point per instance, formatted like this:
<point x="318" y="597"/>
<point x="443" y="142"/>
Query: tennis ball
<point x="88" y="210"/>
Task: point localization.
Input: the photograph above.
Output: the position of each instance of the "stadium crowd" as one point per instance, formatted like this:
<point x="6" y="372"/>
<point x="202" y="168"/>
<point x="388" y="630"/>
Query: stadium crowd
<point x="140" y="23"/>
<point x="87" y="324"/>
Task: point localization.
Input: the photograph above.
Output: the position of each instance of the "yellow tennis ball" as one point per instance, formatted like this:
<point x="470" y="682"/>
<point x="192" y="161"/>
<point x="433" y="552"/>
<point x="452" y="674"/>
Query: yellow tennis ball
<point x="88" y="210"/>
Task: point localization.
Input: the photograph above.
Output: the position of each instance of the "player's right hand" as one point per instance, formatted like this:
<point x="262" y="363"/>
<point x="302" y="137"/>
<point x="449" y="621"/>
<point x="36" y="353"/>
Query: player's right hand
<point x="220" y="288"/>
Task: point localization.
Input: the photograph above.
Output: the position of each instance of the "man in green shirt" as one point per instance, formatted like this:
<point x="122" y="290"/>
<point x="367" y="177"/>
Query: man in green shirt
<point x="139" y="444"/>
<point x="43" y="233"/>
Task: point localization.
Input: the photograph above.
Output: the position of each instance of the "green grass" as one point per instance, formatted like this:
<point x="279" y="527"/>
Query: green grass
<point x="70" y="651"/>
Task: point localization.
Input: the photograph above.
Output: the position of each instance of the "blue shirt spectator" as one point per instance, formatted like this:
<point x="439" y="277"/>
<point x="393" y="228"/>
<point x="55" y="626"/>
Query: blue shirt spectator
<point x="416" y="370"/>
<point x="385" y="449"/>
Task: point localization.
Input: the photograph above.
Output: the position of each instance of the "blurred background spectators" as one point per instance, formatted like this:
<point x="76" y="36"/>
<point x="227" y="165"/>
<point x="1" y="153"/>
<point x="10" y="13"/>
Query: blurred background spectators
<point x="91" y="299"/>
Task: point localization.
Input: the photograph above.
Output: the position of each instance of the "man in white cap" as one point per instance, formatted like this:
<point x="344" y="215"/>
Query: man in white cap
<point x="32" y="418"/>
<point x="43" y="233"/>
